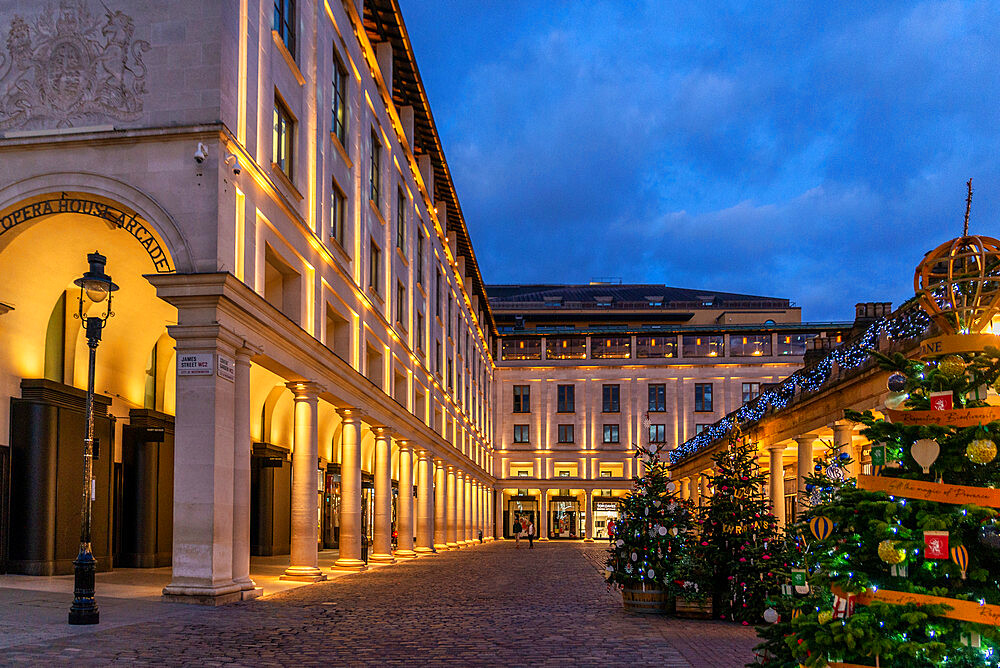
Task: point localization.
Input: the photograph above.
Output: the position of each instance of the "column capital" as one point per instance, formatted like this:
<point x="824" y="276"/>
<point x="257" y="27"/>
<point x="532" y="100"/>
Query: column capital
<point x="420" y="453"/>
<point x="403" y="444"/>
<point x="350" y="415"/>
<point x="304" y="390"/>
<point x="806" y="438"/>
<point x="779" y="447"/>
<point x="380" y="431"/>
<point x="247" y="350"/>
<point x="844" y="425"/>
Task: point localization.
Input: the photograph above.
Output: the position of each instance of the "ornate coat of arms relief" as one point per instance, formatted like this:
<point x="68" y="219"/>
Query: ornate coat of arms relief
<point x="71" y="67"/>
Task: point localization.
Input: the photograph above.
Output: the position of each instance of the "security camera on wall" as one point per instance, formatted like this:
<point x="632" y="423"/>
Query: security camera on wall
<point x="235" y="162"/>
<point x="200" y="153"/>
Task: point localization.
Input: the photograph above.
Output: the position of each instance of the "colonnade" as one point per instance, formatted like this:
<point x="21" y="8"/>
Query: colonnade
<point x="450" y="509"/>
<point x="695" y="487"/>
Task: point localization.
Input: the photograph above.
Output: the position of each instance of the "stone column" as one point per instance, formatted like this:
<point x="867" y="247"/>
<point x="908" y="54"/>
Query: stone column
<point x="468" y="510"/>
<point x="805" y="467"/>
<point x="703" y="490"/>
<point x="241" y="473"/>
<point x="460" y="505"/>
<point x="542" y="528"/>
<point x="479" y="528"/>
<point x="686" y="489"/>
<point x="425" y="503"/>
<point x="452" y="510"/>
<point x="382" y="527"/>
<point x="404" y="504"/>
<point x="304" y="562"/>
<point x="843" y="440"/>
<point x="777" y="482"/>
<point x="588" y="531"/>
<point x="498" y="526"/>
<point x="202" y="558"/>
<point x="440" y="507"/>
<point x="350" y="493"/>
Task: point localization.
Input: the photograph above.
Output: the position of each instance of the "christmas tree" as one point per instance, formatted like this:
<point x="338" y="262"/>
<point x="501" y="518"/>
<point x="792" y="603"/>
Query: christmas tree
<point x="739" y="537"/>
<point x="901" y="567"/>
<point x="652" y="530"/>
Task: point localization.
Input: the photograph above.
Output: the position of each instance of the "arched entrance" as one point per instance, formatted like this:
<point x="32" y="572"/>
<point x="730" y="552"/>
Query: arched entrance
<point x="44" y="241"/>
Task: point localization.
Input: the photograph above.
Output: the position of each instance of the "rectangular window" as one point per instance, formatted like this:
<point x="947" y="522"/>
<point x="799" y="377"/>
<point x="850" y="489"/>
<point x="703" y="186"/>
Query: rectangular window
<point x="657" y="433"/>
<point x="655" y="346"/>
<point x="703" y="397"/>
<point x="611" y="399"/>
<point x="611" y="347"/>
<point x="522" y="398"/>
<point x="565" y="398"/>
<point x="420" y="257"/>
<point x="793" y="344"/>
<point x="749" y="345"/>
<point x="338" y="214"/>
<point x="339" y="103"/>
<point x="437" y="292"/>
<point x="374" y="267"/>
<point x="698" y="345"/>
<point x="284" y="129"/>
<point x="750" y="391"/>
<point x="611" y="433"/>
<point x="401" y="220"/>
<point x="657" y="397"/>
<point x="400" y="304"/>
<point x="565" y="434"/>
<point x="566" y="347"/>
<point x="521" y="434"/>
<point x="284" y="23"/>
<point x="451" y="374"/>
<point x="450" y="302"/>
<point x="521" y="349"/>
<point x="421" y="334"/>
<point x="375" y="173"/>
<point x="437" y="357"/>
<point x="698" y="428"/>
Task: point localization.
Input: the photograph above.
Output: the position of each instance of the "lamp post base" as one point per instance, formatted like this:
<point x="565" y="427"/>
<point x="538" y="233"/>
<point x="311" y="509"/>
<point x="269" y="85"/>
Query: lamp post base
<point x="84" y="609"/>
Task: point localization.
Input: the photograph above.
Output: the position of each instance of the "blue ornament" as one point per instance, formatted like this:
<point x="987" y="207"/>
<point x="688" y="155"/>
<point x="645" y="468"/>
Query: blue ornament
<point x="809" y="487"/>
<point x="818" y="468"/>
<point x="896" y="382"/>
<point x="843" y="456"/>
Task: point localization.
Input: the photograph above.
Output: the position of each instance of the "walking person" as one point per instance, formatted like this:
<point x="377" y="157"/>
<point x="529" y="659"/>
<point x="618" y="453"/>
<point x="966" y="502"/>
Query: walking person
<point x="517" y="533"/>
<point x="531" y="535"/>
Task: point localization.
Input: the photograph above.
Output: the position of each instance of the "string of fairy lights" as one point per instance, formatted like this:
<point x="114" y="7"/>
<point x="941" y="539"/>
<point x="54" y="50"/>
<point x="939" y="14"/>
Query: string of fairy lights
<point x="908" y="323"/>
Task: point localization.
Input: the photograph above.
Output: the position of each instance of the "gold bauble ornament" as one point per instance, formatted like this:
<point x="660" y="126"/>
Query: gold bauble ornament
<point x="952" y="366"/>
<point x="824" y="616"/>
<point x="889" y="553"/>
<point x="981" y="451"/>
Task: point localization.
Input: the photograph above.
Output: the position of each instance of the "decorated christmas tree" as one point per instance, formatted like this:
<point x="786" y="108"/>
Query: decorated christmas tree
<point x="901" y="567"/>
<point x="739" y="537"/>
<point x="652" y="530"/>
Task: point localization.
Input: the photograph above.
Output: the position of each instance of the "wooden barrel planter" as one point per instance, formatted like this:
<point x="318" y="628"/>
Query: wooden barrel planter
<point x="699" y="608"/>
<point x="646" y="600"/>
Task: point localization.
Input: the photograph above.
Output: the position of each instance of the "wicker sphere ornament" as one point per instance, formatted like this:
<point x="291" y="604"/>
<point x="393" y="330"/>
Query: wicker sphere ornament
<point x="896" y="382"/>
<point x="896" y="399"/>
<point x="825" y="616"/>
<point x="981" y="451"/>
<point x="890" y="553"/>
<point x="771" y="616"/>
<point x="952" y="366"/>
<point x="958" y="283"/>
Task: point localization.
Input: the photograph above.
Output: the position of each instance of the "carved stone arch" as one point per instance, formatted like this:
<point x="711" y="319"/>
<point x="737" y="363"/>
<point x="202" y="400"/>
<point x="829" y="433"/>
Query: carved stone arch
<point x="140" y="203"/>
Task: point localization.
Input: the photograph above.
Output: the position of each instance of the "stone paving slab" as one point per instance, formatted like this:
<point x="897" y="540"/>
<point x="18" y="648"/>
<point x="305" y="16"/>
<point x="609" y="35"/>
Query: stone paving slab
<point x="488" y="605"/>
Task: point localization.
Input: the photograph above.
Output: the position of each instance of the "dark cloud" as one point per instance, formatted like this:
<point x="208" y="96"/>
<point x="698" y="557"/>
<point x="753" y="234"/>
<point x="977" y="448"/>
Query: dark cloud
<point x="811" y="151"/>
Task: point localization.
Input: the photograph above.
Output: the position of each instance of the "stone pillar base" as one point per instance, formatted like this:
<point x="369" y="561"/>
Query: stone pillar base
<point x="256" y="592"/>
<point x="588" y="540"/>
<point x="381" y="558"/>
<point x="441" y="547"/>
<point x="247" y="584"/>
<point x="424" y="550"/>
<point x="202" y="595"/>
<point x="453" y="546"/>
<point x="349" y="565"/>
<point x="405" y="554"/>
<point x="303" y="574"/>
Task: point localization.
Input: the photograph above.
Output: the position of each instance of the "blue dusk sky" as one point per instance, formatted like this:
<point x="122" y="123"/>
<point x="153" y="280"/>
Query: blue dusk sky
<point x="806" y="150"/>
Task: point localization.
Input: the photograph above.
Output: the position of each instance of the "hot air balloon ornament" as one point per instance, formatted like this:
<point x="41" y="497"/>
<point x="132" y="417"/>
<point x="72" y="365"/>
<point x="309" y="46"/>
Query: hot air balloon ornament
<point x="960" y="555"/>
<point x="958" y="285"/>
<point x="821" y="527"/>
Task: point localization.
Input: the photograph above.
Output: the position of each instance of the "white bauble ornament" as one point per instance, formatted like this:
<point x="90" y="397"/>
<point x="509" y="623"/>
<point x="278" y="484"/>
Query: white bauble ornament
<point x="635" y="557"/>
<point x="771" y="616"/>
<point x="662" y="531"/>
<point x="671" y="486"/>
<point x="650" y="574"/>
<point x="619" y="542"/>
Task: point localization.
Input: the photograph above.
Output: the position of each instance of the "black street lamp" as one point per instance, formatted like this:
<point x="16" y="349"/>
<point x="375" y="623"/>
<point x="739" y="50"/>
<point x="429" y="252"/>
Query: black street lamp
<point x="97" y="287"/>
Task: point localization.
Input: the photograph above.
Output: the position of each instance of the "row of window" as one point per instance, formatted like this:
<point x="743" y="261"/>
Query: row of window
<point x="566" y="433"/>
<point x="611" y="397"/>
<point x="649" y="347"/>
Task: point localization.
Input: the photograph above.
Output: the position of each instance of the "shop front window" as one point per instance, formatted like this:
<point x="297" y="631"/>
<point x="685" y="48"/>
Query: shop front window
<point x="523" y="511"/>
<point x="564" y="516"/>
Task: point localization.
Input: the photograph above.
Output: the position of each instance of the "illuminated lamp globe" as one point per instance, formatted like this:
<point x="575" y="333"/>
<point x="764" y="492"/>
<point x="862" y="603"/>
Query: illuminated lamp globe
<point x="95" y="283"/>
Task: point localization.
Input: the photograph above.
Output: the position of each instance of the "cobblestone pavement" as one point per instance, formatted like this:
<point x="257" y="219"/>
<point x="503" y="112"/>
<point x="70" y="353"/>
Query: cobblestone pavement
<point x="488" y="605"/>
